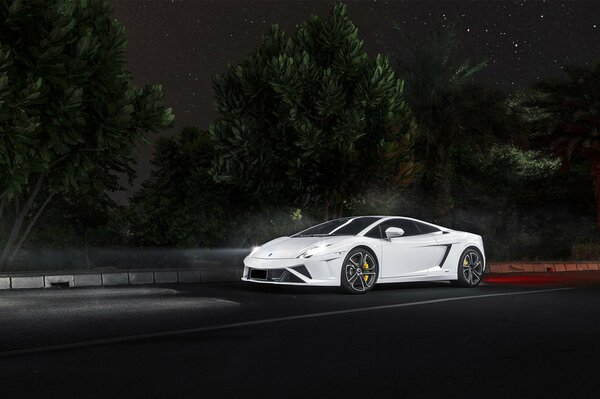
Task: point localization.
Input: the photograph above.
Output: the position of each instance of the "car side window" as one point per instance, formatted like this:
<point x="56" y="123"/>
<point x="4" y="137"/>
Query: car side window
<point x="409" y="227"/>
<point x="375" y="232"/>
<point x="425" y="228"/>
<point x="355" y="227"/>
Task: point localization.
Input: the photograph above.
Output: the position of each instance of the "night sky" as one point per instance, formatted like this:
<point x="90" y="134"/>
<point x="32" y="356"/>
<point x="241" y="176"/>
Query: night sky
<point x="182" y="44"/>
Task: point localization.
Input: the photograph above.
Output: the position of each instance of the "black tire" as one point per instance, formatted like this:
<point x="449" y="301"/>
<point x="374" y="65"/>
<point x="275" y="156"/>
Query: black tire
<point x="470" y="268"/>
<point x="360" y="271"/>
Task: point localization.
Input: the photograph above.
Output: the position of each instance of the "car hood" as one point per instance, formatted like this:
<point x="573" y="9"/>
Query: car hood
<point x="292" y="247"/>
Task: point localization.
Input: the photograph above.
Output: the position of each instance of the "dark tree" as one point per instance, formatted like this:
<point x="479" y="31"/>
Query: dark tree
<point x="69" y="114"/>
<point x="453" y="111"/>
<point x="180" y="204"/>
<point x="569" y="119"/>
<point x="310" y="119"/>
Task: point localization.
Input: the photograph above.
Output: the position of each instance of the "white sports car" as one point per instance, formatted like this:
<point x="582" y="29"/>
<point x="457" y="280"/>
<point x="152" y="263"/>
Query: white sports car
<point x="358" y="252"/>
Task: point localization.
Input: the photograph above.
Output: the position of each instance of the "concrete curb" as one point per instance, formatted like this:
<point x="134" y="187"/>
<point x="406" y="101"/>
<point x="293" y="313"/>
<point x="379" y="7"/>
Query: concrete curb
<point x="27" y="282"/>
<point x="223" y="274"/>
<point x="4" y="283"/>
<point x="541" y="267"/>
<point x="145" y="277"/>
<point x="87" y="280"/>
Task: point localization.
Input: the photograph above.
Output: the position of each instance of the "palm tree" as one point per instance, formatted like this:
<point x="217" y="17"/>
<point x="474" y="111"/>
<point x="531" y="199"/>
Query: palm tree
<point x="454" y="113"/>
<point x="569" y="121"/>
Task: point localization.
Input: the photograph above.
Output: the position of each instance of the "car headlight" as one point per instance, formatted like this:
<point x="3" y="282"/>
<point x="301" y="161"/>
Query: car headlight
<point x="254" y="249"/>
<point x="314" y="251"/>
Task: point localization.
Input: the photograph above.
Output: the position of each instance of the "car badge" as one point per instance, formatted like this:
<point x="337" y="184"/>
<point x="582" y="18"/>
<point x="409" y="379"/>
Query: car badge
<point x="271" y="254"/>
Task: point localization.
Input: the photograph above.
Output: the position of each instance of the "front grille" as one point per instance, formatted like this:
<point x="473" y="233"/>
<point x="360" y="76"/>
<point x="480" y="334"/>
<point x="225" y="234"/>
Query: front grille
<point x="275" y="275"/>
<point x="290" y="278"/>
<point x="302" y="270"/>
<point x="257" y="274"/>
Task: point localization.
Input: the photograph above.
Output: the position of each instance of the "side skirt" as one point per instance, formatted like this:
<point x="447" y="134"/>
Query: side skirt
<point x="437" y="277"/>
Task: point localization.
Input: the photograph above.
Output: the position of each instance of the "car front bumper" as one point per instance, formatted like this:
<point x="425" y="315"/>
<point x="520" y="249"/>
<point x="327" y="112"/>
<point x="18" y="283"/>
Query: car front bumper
<point x="318" y="271"/>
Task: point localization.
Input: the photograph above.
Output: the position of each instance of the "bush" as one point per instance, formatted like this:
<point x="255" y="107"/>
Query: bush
<point x="586" y="251"/>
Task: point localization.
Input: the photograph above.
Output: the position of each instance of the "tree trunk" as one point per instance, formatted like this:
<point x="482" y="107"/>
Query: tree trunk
<point x="29" y="227"/>
<point x="333" y="207"/>
<point x="88" y="263"/>
<point x="3" y="202"/>
<point x="596" y="182"/>
<point x="442" y="187"/>
<point x="20" y="215"/>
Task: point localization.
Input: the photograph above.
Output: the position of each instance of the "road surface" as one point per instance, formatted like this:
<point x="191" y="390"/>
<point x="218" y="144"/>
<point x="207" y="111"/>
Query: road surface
<point x="515" y="336"/>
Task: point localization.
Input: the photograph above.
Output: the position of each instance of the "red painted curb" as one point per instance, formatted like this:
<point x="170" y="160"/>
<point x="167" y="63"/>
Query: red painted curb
<point x="542" y="267"/>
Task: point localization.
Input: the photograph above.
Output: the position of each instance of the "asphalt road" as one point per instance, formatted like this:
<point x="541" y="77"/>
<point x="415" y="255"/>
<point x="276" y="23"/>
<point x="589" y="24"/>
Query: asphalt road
<point x="521" y="337"/>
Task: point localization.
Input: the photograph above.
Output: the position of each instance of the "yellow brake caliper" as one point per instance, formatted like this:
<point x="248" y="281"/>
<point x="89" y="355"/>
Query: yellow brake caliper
<point x="366" y="276"/>
<point x="465" y="262"/>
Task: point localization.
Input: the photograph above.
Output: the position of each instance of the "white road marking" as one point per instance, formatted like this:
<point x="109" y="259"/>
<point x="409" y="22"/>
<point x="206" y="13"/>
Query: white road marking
<point x="112" y="340"/>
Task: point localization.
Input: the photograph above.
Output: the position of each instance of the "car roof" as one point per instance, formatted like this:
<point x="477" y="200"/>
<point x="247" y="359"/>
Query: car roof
<point x="380" y="219"/>
<point x="383" y="218"/>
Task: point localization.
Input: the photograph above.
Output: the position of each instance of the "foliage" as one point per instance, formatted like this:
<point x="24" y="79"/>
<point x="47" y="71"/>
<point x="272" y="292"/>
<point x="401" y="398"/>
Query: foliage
<point x="523" y="204"/>
<point x="569" y="124"/>
<point x="180" y="204"/>
<point x="257" y="226"/>
<point x="513" y="170"/>
<point x="69" y="115"/>
<point x="307" y="122"/>
<point x="523" y="104"/>
<point x="309" y="119"/>
<point x="586" y="251"/>
<point x="77" y="220"/>
<point x="70" y="231"/>
<point x="453" y="111"/>
<point x="571" y="120"/>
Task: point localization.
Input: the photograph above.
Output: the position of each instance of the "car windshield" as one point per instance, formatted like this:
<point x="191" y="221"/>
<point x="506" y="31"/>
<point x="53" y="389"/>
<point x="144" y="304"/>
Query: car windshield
<point x="339" y="227"/>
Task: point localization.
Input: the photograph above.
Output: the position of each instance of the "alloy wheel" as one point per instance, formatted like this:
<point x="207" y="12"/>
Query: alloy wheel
<point x="360" y="270"/>
<point x="472" y="267"/>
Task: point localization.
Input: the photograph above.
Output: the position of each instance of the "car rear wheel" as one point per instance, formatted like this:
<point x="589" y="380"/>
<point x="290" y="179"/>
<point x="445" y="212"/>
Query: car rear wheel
<point x="470" y="268"/>
<point x="359" y="271"/>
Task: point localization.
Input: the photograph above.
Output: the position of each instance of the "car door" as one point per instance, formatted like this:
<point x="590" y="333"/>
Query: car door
<point x="407" y="256"/>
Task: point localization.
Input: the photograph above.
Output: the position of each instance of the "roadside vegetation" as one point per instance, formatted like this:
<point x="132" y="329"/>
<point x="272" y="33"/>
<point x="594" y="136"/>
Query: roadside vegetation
<point x="309" y="127"/>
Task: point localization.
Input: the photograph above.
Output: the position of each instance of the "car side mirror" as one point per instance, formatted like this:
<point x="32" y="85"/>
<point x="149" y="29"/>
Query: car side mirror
<point x="393" y="232"/>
